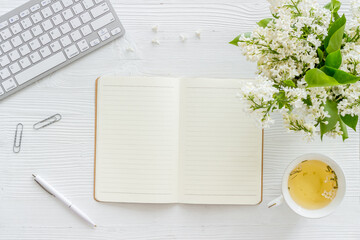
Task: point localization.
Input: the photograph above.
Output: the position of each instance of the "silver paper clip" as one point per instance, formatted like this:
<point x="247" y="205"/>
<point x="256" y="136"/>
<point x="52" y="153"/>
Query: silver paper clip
<point x="18" y="138"/>
<point x="48" y="121"/>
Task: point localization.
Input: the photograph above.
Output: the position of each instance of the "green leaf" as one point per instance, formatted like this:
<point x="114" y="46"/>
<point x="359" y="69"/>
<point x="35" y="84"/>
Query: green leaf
<point x="344" y="130"/>
<point x="336" y="32"/>
<point x="236" y="40"/>
<point x="320" y="54"/>
<point x="334" y="7"/>
<point x="263" y="23"/>
<point x="334" y="27"/>
<point x="289" y="83"/>
<point x="331" y="108"/>
<point x="340" y="76"/>
<point x="317" y="78"/>
<point x="280" y="98"/>
<point x="307" y="101"/>
<point x="328" y="6"/>
<point x="334" y="59"/>
<point x="351" y="121"/>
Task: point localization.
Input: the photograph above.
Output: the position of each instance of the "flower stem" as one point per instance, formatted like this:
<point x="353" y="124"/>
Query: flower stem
<point x="295" y="6"/>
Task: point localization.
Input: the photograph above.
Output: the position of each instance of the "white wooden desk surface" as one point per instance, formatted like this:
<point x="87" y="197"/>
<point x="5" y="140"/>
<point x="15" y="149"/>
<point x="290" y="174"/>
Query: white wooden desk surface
<point x="63" y="153"/>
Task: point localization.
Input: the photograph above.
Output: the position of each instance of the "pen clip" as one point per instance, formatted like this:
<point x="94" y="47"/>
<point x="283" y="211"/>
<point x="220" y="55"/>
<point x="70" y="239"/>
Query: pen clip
<point x="44" y="188"/>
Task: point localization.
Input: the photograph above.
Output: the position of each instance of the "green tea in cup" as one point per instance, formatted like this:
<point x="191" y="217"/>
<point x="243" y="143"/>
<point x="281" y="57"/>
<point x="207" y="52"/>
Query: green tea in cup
<point x="312" y="184"/>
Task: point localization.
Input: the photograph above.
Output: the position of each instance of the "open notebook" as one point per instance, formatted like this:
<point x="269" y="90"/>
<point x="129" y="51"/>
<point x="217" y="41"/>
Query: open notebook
<point x="168" y="140"/>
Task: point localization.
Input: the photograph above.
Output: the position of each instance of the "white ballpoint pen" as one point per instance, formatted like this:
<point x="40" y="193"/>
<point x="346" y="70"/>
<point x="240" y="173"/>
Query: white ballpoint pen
<point x="47" y="187"/>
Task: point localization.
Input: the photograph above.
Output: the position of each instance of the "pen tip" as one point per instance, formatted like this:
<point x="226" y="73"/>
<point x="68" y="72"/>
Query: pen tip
<point x="95" y="225"/>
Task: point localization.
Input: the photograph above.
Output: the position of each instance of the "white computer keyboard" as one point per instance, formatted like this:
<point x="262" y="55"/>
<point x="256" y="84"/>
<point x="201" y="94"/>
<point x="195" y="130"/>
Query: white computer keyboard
<point x="42" y="36"/>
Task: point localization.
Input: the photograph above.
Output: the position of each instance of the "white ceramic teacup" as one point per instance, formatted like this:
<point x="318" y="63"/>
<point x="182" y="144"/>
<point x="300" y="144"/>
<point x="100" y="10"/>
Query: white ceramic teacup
<point x="316" y="213"/>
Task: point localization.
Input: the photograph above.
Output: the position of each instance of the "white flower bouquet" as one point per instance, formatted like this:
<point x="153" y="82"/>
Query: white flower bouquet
<point x="308" y="60"/>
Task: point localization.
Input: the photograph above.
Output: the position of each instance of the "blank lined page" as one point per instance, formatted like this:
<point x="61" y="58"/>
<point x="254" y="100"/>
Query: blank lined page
<point x="220" y="146"/>
<point x="137" y="140"/>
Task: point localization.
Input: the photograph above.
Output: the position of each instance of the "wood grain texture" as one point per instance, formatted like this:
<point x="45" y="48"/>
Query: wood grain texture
<point x="63" y="152"/>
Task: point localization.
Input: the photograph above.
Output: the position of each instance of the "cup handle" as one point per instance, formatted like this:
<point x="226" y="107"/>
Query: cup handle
<point x="276" y="202"/>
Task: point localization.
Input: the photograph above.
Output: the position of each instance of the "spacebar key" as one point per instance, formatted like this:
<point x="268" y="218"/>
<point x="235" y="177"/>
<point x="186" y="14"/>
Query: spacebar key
<point x="40" y="68"/>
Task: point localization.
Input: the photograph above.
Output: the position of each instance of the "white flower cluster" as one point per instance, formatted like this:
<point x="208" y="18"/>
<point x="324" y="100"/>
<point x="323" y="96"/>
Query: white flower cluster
<point x="285" y="50"/>
<point x="288" y="46"/>
<point x="260" y="96"/>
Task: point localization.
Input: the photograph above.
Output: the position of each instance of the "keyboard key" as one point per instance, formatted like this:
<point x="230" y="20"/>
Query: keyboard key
<point x="78" y="8"/>
<point x="4" y="24"/>
<point x="103" y="21"/>
<point x="65" y="41"/>
<point x="75" y="23"/>
<point x="40" y="68"/>
<point x="67" y="14"/>
<point x="57" y="7"/>
<point x="83" y="45"/>
<point x="45" y="2"/>
<point x="16" y="28"/>
<point x="46" y="12"/>
<point x="88" y="4"/>
<point x="14" y="55"/>
<point x="103" y="31"/>
<point x="85" y="17"/>
<point x="1" y="91"/>
<point x="24" y="49"/>
<point x="99" y="10"/>
<point x="105" y="36"/>
<point x="5" y="34"/>
<point x="94" y="42"/>
<point x="36" y="30"/>
<point x="65" y="28"/>
<point x="45" y="51"/>
<point x="9" y="84"/>
<point x="36" y="17"/>
<point x="24" y="13"/>
<point x="55" y="46"/>
<point x="26" y="23"/>
<point x="16" y="41"/>
<point x="35" y="57"/>
<point x="57" y="19"/>
<point x="4" y="73"/>
<point x="25" y="62"/>
<point x="76" y="35"/>
<point x="67" y="3"/>
<point x="14" y="68"/>
<point x="45" y="39"/>
<point x="34" y="44"/>
<point x="14" y="19"/>
<point x="71" y="51"/>
<point x="115" y="31"/>
<point x="4" y="60"/>
<point x="47" y="25"/>
<point x="26" y="36"/>
<point x="6" y="46"/>
<point x="98" y="1"/>
<point x="55" y="33"/>
<point x="86" y="30"/>
<point x="35" y="8"/>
